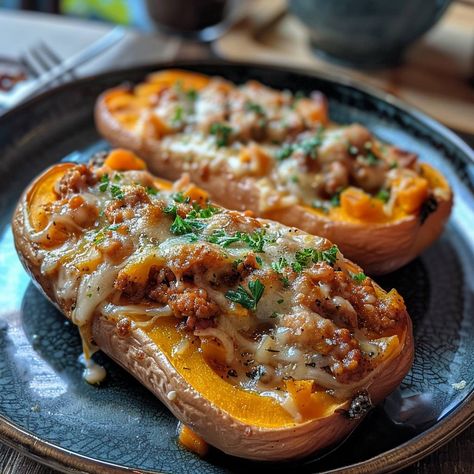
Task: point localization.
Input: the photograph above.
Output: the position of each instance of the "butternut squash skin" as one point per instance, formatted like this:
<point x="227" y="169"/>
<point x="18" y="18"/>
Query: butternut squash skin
<point x="379" y="248"/>
<point x="136" y="351"/>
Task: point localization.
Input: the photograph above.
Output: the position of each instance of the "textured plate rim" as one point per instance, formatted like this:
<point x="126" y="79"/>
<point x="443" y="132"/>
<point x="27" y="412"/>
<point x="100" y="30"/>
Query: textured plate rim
<point x="397" y="458"/>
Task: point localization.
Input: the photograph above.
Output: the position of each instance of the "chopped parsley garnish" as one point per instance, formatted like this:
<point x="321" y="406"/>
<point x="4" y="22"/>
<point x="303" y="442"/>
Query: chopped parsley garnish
<point x="104" y="183"/>
<point x="383" y="195"/>
<point x="336" y="199"/>
<point x="192" y="94"/>
<point x="294" y="178"/>
<point x="191" y="237"/>
<point x="358" y="277"/>
<point x="180" y="197"/>
<point x="171" y="209"/>
<point x="280" y="301"/>
<point x="219" y="237"/>
<point x="371" y="158"/>
<point x="222" y="133"/>
<point x="117" y="177"/>
<point x="202" y="212"/>
<point x="151" y="191"/>
<point x="178" y="114"/>
<point x="255" y="240"/>
<point x="259" y="260"/>
<point x="182" y="226"/>
<point x="304" y="257"/>
<point x="190" y="223"/>
<point x="254" y="107"/>
<point x="393" y="165"/>
<point x="310" y="146"/>
<point x="116" y="192"/>
<point x="284" y="152"/>
<point x="279" y="266"/>
<point x="247" y="299"/>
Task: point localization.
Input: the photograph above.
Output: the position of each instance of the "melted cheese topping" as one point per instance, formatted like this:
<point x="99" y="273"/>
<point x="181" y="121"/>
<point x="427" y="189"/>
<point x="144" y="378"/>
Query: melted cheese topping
<point x="282" y="140"/>
<point x="264" y="304"/>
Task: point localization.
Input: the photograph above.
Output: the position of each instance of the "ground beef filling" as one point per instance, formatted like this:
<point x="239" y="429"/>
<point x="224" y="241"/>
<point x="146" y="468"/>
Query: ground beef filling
<point x="192" y="305"/>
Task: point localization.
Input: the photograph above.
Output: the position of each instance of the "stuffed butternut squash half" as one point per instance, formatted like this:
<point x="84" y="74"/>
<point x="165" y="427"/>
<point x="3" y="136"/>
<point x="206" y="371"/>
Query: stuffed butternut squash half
<point x="277" y="154"/>
<point x="261" y="338"/>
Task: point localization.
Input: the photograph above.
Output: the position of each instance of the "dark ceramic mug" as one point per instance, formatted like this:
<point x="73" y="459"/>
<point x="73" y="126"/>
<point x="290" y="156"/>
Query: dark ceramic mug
<point x="367" y="33"/>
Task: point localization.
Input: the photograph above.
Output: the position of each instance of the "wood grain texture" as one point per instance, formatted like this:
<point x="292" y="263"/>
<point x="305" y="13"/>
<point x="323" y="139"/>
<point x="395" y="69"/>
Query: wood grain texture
<point x="457" y="457"/>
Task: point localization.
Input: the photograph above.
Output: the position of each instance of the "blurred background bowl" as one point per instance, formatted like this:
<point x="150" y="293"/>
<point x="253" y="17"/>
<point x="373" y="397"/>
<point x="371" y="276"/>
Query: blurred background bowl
<point x="367" y="33"/>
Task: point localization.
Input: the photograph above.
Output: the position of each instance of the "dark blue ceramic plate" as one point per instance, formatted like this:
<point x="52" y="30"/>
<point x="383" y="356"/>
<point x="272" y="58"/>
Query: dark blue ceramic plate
<point x="50" y="413"/>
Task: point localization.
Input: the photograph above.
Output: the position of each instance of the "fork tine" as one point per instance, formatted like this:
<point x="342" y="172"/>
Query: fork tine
<point x="54" y="57"/>
<point x="40" y="60"/>
<point x="28" y="65"/>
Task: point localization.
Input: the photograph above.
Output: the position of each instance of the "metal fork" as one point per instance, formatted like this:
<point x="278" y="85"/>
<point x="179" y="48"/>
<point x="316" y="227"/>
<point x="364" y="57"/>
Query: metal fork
<point x="44" y="73"/>
<point x="40" y="59"/>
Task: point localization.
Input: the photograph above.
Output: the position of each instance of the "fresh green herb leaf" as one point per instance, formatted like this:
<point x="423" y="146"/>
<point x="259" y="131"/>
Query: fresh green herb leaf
<point x="304" y="257"/>
<point x="244" y="298"/>
<point x="358" y="277"/>
<point x="222" y="133"/>
<point x="294" y="178"/>
<point x="329" y="255"/>
<point x="191" y="237"/>
<point x="118" y="177"/>
<point x="279" y="266"/>
<point x="284" y="152"/>
<point x="116" y="192"/>
<point x="219" y="237"/>
<point x="255" y="240"/>
<point x="393" y="165"/>
<point x="180" y="197"/>
<point x="259" y="260"/>
<point x="192" y="94"/>
<point x="336" y="199"/>
<point x="178" y="114"/>
<point x="371" y="158"/>
<point x="202" y="212"/>
<point x="151" y="191"/>
<point x="280" y="301"/>
<point x="310" y="146"/>
<point x="254" y="107"/>
<point x="182" y="226"/>
<point x="273" y="316"/>
<point x="257" y="288"/>
<point x="383" y="195"/>
<point x="171" y="209"/>
<point x="104" y="183"/>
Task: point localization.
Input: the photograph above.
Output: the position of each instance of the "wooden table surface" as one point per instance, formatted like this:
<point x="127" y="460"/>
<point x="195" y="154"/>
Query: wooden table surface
<point x="456" y="457"/>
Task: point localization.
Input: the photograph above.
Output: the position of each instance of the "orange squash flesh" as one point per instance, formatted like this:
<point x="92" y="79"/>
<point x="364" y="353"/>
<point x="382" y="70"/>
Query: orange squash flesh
<point x="245" y="406"/>
<point x="192" y="441"/>
<point x="43" y="193"/>
<point x="124" y="160"/>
